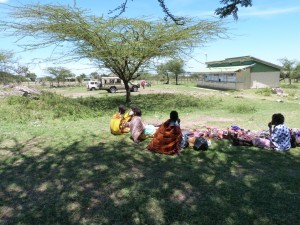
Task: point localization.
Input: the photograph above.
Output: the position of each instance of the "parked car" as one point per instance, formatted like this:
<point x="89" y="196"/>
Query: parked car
<point x="111" y="84"/>
<point x="93" y="85"/>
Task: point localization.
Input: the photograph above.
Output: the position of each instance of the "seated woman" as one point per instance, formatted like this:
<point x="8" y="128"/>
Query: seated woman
<point x="280" y="137"/>
<point x="118" y="120"/>
<point x="130" y="113"/>
<point x="136" y="126"/>
<point x="167" y="137"/>
<point x="280" y="134"/>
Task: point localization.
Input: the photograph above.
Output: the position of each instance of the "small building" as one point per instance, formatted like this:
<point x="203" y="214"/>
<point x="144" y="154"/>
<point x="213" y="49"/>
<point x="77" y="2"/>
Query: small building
<point x="240" y="73"/>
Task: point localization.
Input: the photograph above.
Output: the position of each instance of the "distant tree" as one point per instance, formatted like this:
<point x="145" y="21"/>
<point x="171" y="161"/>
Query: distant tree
<point x="230" y="8"/>
<point x="50" y="79"/>
<point x="7" y="62"/>
<point x="31" y="76"/>
<point x="81" y="78"/>
<point x="296" y="72"/>
<point x="174" y="66"/>
<point x="59" y="73"/>
<point x="143" y="75"/>
<point x="42" y="80"/>
<point x="23" y="72"/>
<point x="95" y="75"/>
<point x="288" y="67"/>
<point x="122" y="45"/>
<point x="163" y="70"/>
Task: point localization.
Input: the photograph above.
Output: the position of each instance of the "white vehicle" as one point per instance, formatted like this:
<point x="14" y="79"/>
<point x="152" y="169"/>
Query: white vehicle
<point x="93" y="85"/>
<point x="111" y="84"/>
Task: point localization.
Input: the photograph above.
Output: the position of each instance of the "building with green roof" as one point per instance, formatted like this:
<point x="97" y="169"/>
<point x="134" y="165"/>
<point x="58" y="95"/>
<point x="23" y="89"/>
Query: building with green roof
<point x="240" y="73"/>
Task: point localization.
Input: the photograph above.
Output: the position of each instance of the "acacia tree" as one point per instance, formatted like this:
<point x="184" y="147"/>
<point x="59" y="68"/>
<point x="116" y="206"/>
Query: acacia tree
<point x="22" y="71"/>
<point x="81" y="78"/>
<point x="288" y="67"/>
<point x="162" y="69"/>
<point x="31" y="76"/>
<point x="230" y="8"/>
<point x="95" y="75"/>
<point x="7" y="61"/>
<point x="175" y="66"/>
<point x="296" y="72"/>
<point x="119" y="44"/>
<point x="59" y="73"/>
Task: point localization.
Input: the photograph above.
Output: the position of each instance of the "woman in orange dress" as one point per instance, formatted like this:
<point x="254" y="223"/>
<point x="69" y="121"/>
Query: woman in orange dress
<point x="167" y="137"/>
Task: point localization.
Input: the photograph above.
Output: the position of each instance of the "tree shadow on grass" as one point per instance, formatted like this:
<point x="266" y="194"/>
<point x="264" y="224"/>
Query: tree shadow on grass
<point x="122" y="183"/>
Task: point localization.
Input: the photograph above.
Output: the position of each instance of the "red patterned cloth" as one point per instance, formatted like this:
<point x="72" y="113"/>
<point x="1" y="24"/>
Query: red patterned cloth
<point x="166" y="139"/>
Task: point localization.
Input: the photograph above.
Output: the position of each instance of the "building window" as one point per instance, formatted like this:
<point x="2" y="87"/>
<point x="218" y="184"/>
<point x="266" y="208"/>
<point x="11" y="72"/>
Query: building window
<point x="220" y="77"/>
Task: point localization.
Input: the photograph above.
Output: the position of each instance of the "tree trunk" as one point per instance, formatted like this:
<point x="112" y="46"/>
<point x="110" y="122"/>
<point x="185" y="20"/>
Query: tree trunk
<point x="128" y="97"/>
<point x="176" y="79"/>
<point x="168" y="79"/>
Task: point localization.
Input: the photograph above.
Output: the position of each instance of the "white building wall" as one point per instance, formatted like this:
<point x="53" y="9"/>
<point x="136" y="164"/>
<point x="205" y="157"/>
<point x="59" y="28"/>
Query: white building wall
<point x="265" y="79"/>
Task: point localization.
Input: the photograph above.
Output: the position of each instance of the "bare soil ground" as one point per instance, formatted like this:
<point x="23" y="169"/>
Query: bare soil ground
<point x="18" y="90"/>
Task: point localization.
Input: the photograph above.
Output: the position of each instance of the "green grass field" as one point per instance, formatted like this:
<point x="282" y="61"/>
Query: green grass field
<point x="59" y="164"/>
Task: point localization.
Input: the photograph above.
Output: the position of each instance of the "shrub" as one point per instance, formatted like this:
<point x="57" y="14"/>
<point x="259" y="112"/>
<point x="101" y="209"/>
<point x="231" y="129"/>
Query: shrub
<point x="53" y="106"/>
<point x="264" y="91"/>
<point x="291" y="93"/>
<point x="291" y="86"/>
<point x="242" y="108"/>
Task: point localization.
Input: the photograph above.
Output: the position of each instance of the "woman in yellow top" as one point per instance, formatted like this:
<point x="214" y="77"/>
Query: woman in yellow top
<point x="119" y="120"/>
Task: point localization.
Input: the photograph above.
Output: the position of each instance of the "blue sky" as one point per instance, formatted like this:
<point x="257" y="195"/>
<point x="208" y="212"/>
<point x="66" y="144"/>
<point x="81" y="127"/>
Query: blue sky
<point x="269" y="30"/>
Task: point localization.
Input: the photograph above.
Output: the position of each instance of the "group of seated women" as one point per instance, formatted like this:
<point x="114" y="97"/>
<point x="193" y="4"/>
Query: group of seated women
<point x="167" y="137"/>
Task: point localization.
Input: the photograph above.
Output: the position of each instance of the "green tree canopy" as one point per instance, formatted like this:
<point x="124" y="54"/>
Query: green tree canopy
<point x="7" y="66"/>
<point x="7" y="61"/>
<point x="31" y="76"/>
<point x="296" y="72"/>
<point x="163" y="70"/>
<point x="121" y="45"/>
<point x="288" y="68"/>
<point x="175" y="66"/>
<point x="59" y="73"/>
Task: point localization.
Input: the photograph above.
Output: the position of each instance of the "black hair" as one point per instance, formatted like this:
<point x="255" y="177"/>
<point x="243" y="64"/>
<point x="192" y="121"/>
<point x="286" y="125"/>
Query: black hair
<point x="277" y="118"/>
<point x="122" y="109"/>
<point x="134" y="108"/>
<point x="174" y="116"/>
<point x="137" y="112"/>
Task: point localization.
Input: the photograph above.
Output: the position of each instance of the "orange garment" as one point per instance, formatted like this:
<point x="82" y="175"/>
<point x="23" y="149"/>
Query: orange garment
<point x="166" y="139"/>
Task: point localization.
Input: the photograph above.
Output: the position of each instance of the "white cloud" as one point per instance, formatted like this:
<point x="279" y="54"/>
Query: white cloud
<point x="3" y="1"/>
<point x="258" y="12"/>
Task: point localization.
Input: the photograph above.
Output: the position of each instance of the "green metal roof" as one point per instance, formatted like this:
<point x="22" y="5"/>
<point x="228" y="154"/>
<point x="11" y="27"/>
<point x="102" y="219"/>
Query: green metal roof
<point x="227" y="69"/>
<point x="245" y="59"/>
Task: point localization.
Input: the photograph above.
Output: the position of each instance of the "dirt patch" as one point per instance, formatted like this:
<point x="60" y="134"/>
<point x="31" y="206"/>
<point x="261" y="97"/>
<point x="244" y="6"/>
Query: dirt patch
<point x="17" y="90"/>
